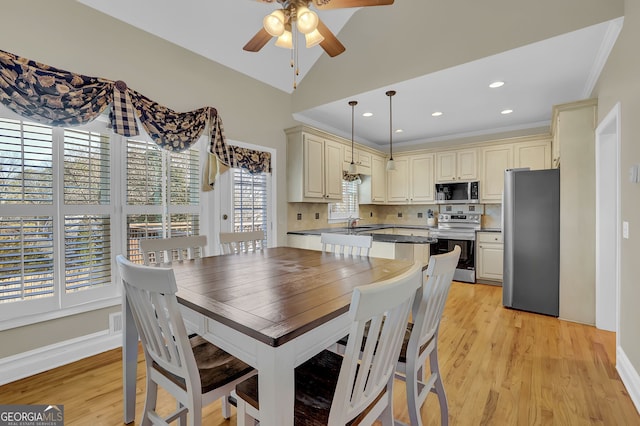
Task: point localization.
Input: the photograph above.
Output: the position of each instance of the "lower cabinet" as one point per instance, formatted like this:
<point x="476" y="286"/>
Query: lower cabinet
<point x="489" y="256"/>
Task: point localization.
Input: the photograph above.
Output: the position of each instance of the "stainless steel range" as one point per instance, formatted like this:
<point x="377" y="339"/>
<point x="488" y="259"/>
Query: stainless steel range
<point x="457" y="225"/>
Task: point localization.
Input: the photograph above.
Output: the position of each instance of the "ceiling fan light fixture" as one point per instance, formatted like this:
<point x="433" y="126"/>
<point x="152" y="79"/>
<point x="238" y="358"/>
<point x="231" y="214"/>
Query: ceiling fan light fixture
<point x="313" y="38"/>
<point x="285" y="40"/>
<point x="306" y="20"/>
<point x="273" y="23"/>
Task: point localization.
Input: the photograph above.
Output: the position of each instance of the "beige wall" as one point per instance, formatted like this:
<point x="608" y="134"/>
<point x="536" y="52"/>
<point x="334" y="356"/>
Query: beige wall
<point x="620" y="82"/>
<point x="68" y="35"/>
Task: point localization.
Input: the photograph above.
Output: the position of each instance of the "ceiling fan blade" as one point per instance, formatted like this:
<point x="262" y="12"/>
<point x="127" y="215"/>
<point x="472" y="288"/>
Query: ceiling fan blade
<point x="330" y="44"/>
<point x="258" y="41"/>
<point x="340" y="4"/>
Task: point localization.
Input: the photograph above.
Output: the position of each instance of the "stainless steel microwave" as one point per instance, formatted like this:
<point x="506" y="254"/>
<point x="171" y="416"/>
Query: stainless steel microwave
<point x="458" y="192"/>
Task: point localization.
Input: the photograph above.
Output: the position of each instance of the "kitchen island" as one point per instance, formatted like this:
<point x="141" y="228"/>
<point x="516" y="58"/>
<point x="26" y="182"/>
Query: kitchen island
<point x="389" y="241"/>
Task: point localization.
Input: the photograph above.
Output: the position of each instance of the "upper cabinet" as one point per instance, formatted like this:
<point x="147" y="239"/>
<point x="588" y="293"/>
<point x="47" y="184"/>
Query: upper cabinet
<point x="373" y="189"/>
<point x="314" y="167"/>
<point x="412" y="181"/>
<point x="361" y="158"/>
<point x="533" y="154"/>
<point x="458" y="165"/>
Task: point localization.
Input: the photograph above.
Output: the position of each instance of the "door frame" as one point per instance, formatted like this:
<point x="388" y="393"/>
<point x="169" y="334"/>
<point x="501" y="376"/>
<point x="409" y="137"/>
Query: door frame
<point x="608" y="225"/>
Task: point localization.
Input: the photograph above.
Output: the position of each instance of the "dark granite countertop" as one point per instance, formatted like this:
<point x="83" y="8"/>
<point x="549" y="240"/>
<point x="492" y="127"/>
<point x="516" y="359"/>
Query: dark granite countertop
<point x="367" y="230"/>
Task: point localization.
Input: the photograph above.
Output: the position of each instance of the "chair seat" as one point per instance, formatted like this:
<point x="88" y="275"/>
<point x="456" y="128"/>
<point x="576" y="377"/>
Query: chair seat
<point x="315" y="383"/>
<point x="216" y="367"/>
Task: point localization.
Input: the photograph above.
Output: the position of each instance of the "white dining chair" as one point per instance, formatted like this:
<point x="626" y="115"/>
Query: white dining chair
<point x="241" y="242"/>
<point x="158" y="251"/>
<point x="422" y="339"/>
<point x="351" y="245"/>
<point x="192" y="370"/>
<point x="334" y="390"/>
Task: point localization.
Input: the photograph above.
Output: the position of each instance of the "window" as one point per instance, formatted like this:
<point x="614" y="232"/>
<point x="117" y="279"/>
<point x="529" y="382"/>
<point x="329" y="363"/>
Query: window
<point x="55" y="219"/>
<point x="163" y="194"/>
<point x="348" y="207"/>
<point x="67" y="207"/>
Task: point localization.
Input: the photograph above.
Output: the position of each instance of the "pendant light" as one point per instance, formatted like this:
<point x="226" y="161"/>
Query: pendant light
<point x="391" y="165"/>
<point x="352" y="167"/>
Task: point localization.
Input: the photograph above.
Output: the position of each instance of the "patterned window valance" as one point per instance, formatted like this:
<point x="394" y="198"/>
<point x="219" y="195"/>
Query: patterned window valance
<point x="60" y="98"/>
<point x="350" y="177"/>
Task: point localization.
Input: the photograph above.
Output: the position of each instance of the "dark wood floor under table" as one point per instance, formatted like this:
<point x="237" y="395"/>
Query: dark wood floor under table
<point x="499" y="366"/>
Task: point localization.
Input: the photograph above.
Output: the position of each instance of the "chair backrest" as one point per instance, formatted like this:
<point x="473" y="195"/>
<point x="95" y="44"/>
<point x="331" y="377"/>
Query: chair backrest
<point x="352" y="245"/>
<point x="157" y="251"/>
<point x="151" y="293"/>
<point x="384" y="307"/>
<point x="428" y="307"/>
<point x="241" y="242"/>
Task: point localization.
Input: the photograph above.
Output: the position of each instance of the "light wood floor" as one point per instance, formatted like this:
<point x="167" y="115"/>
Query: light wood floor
<point x="500" y="367"/>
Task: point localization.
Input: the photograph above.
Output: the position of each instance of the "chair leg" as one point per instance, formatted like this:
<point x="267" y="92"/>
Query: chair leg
<point x="243" y="418"/>
<point x="226" y="407"/>
<point x="413" y="395"/>
<point x="438" y="387"/>
<point x="150" y="401"/>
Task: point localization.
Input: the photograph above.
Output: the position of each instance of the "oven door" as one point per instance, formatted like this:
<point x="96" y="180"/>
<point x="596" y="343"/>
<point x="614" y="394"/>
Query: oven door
<point x="465" y="271"/>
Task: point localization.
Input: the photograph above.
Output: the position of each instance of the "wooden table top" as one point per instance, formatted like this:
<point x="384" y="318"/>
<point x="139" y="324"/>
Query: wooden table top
<point x="279" y="293"/>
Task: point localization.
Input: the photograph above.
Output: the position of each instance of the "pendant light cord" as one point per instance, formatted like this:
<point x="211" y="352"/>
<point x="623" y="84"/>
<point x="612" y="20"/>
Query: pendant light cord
<point x="390" y="93"/>
<point x="353" y="104"/>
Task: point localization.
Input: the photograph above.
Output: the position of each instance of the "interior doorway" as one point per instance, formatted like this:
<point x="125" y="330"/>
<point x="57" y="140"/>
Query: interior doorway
<point x="608" y="225"/>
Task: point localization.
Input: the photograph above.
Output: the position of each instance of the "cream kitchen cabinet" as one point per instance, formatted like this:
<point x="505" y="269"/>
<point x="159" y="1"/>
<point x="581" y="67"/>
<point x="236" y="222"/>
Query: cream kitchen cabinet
<point x="412" y="181"/>
<point x="373" y="189"/>
<point x="535" y="155"/>
<point x="314" y="168"/>
<point x="495" y="160"/>
<point x="459" y="165"/>
<point x="361" y="158"/>
<point x="489" y="256"/>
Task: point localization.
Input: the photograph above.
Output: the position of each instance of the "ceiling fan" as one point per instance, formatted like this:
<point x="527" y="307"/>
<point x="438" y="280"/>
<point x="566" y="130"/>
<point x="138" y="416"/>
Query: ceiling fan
<point x="298" y="12"/>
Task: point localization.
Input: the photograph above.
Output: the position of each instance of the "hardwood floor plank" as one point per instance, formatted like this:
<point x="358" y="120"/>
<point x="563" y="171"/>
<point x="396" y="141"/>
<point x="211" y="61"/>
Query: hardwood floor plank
<point x="499" y="367"/>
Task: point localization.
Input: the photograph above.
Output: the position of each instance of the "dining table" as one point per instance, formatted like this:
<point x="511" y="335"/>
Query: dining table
<point x="273" y="309"/>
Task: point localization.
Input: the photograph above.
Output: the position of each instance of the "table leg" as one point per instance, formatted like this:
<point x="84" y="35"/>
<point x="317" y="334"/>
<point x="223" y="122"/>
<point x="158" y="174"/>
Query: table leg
<point x="276" y="385"/>
<point x="129" y="361"/>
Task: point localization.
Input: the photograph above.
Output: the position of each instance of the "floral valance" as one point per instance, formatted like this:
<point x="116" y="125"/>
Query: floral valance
<point x="57" y="97"/>
<point x="350" y="177"/>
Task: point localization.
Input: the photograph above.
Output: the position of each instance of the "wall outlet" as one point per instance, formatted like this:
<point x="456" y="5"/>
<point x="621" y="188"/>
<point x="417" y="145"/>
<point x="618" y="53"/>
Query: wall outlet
<point x="370" y="214"/>
<point x="399" y="214"/>
<point x="317" y="215"/>
<point x="625" y="230"/>
<point x="299" y="216"/>
<point x="419" y="215"/>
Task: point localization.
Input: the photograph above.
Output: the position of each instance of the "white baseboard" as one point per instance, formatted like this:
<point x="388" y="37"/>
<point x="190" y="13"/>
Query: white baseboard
<point x="36" y="361"/>
<point x="629" y="375"/>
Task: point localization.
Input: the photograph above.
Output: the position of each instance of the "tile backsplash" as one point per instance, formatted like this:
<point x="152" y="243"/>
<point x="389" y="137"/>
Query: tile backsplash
<point x="315" y="215"/>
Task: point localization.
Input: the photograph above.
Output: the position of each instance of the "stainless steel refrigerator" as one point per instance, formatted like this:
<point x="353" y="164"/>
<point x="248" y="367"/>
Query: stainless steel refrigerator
<point x="531" y="231"/>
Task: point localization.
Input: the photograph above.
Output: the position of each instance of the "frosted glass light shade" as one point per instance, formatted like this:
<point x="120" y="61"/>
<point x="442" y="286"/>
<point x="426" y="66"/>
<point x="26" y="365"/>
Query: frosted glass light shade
<point x="391" y="165"/>
<point x="307" y="20"/>
<point x="274" y="23"/>
<point x="353" y="169"/>
<point x="285" y="40"/>
<point x="313" y="38"/>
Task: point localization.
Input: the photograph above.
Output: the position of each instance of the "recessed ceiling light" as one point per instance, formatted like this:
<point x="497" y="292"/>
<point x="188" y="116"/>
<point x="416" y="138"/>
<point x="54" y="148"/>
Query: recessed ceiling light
<point x="367" y="114"/>
<point x="496" y="84"/>
<point x="399" y="130"/>
<point x="436" y="114"/>
<point x="506" y="111"/>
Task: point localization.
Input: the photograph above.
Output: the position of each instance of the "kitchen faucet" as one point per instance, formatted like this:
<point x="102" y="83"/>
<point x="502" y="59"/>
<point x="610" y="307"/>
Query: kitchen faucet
<point x="352" y="221"/>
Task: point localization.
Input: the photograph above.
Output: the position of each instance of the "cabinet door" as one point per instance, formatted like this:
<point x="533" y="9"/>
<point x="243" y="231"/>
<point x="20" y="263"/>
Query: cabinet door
<point x="397" y="182"/>
<point x="333" y="170"/>
<point x="446" y="166"/>
<point x="535" y="155"/>
<point x="378" y="179"/>
<point x="313" y="158"/>
<point x="364" y="160"/>
<point x="467" y="164"/>
<point x="421" y="178"/>
<point x="490" y="261"/>
<point x="495" y="160"/>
